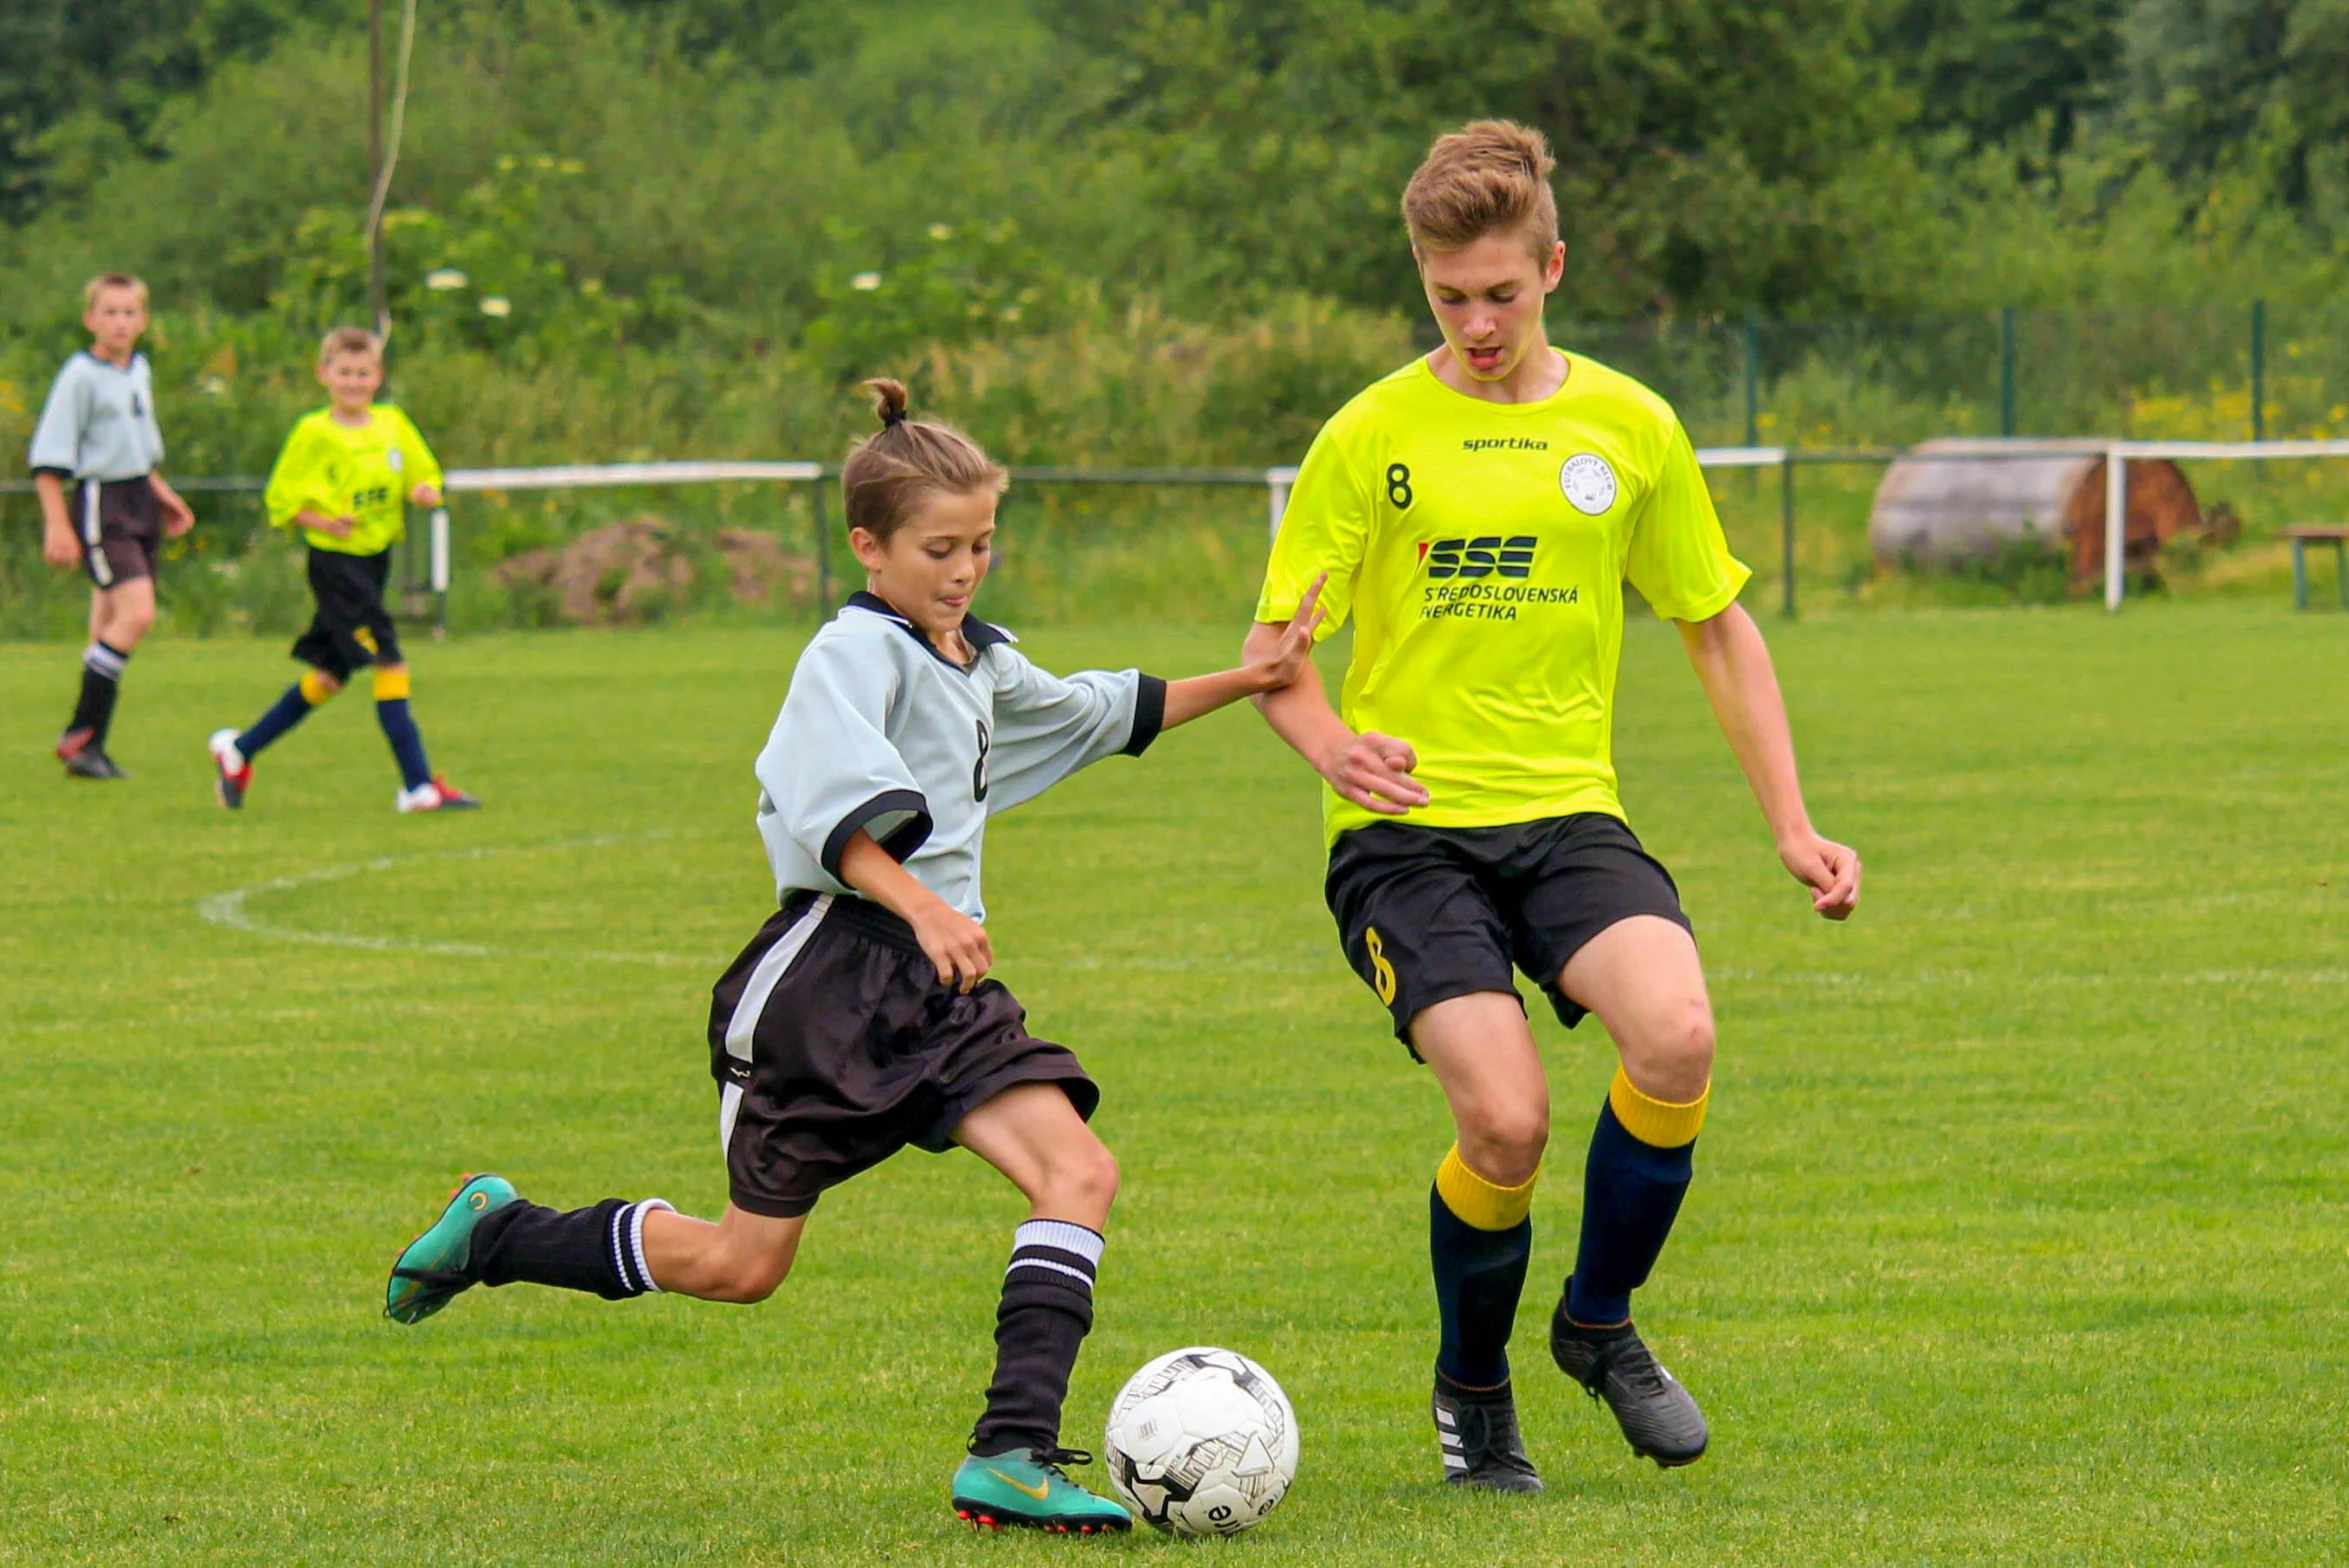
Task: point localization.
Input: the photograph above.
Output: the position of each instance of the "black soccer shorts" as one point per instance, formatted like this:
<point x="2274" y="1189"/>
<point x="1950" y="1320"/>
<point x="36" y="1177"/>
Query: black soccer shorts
<point x="121" y="527"/>
<point x="351" y="628"/>
<point x="1427" y="914"/>
<point x="835" y="1045"/>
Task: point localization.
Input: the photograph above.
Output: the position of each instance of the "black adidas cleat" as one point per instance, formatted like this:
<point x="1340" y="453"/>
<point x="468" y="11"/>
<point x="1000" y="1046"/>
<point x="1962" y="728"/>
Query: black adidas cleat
<point x="1477" y="1431"/>
<point x="1660" y="1419"/>
<point x="84" y="758"/>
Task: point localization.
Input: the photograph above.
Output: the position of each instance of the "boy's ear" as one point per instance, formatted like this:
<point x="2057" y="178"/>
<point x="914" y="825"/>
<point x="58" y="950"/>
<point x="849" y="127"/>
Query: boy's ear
<point x="869" y="551"/>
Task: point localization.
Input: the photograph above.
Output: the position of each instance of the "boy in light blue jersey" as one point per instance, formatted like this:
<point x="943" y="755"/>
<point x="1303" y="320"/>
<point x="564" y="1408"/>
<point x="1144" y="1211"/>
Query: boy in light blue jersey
<point x="99" y="437"/>
<point x="859" y="1021"/>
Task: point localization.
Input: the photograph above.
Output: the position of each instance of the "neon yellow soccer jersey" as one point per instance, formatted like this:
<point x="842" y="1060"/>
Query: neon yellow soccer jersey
<point x="1481" y="550"/>
<point x="364" y="473"/>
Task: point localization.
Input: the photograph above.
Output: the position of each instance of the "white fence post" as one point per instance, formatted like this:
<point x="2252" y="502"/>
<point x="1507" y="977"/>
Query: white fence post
<point x="2116" y="524"/>
<point x="1276" y="489"/>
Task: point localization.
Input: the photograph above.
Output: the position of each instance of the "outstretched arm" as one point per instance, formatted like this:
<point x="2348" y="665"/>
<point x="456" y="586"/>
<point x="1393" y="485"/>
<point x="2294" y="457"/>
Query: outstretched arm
<point x="1733" y="664"/>
<point x="1373" y="771"/>
<point x="1265" y="665"/>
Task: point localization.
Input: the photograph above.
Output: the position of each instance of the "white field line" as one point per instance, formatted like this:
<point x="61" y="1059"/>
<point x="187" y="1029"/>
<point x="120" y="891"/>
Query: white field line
<point x="1259" y="963"/>
<point x="231" y="910"/>
<point x="2025" y="980"/>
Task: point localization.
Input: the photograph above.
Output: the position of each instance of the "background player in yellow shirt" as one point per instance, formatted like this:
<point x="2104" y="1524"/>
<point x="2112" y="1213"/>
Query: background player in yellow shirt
<point x="1477" y="514"/>
<point x="344" y="479"/>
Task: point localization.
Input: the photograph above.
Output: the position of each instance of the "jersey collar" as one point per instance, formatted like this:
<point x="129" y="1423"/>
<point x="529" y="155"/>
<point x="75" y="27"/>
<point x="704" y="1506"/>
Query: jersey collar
<point x="976" y="632"/>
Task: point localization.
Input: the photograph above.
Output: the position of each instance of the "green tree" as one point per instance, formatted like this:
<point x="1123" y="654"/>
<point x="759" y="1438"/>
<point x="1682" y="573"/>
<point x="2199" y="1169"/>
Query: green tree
<point x="2020" y="74"/>
<point x="2215" y="84"/>
<point x="1712" y="155"/>
<point x="83" y="81"/>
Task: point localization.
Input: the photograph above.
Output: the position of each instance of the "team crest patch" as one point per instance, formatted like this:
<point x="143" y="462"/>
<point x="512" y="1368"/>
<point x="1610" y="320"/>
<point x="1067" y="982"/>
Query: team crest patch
<point x="1588" y="482"/>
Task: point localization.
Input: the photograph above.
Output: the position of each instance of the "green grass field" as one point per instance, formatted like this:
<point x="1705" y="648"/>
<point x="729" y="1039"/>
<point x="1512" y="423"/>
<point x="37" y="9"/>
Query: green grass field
<point x="2020" y="1231"/>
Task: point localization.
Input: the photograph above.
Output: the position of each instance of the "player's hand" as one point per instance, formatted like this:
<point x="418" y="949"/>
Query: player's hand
<point x="1289" y="656"/>
<point x="957" y="944"/>
<point x="425" y="495"/>
<point x="60" y="548"/>
<point x="1830" y="870"/>
<point x="1374" y="772"/>
<point x="340" y="527"/>
<point x="177" y="517"/>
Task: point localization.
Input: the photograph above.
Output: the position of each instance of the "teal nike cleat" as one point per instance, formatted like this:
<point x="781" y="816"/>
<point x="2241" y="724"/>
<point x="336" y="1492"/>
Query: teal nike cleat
<point x="432" y="1268"/>
<point x="1027" y="1488"/>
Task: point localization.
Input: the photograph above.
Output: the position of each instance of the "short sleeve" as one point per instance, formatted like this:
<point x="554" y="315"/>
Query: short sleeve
<point x="1679" y="559"/>
<point x="57" y="439"/>
<point x="422" y="467"/>
<point x="1325" y="529"/>
<point x="149" y="424"/>
<point x="297" y="481"/>
<point x="828" y="768"/>
<point x="1048" y="726"/>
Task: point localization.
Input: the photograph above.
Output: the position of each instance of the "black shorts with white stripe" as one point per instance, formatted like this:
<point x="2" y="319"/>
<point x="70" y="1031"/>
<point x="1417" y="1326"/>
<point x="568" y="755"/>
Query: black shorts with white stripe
<point x="121" y="527"/>
<point x="835" y="1045"/>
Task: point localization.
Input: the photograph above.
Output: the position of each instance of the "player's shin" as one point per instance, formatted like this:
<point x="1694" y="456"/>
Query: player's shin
<point x="1046" y="1311"/>
<point x="598" y="1249"/>
<point x="1480" y="1236"/>
<point x="102" y="671"/>
<point x="290" y="709"/>
<point x="1641" y="1160"/>
<point x="399" y="727"/>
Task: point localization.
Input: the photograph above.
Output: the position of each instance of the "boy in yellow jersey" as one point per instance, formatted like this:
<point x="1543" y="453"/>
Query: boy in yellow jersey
<point x="1477" y="514"/>
<point x="345" y="478"/>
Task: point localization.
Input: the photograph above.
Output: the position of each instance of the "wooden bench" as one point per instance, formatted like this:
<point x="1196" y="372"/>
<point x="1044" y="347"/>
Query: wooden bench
<point x="2302" y="536"/>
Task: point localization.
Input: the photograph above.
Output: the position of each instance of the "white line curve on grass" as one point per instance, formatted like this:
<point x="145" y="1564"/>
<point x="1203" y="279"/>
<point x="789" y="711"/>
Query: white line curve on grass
<point x="229" y="910"/>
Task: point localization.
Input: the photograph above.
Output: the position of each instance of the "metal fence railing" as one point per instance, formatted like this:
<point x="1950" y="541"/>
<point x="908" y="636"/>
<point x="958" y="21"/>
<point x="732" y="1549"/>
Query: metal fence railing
<point x="427" y="561"/>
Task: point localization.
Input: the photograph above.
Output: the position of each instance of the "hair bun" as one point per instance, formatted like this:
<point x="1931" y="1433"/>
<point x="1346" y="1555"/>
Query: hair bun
<point x="888" y="400"/>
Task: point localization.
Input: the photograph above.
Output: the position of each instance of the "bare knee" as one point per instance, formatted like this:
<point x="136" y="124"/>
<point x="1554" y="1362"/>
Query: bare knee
<point x="128" y="623"/>
<point x="1674" y="1062"/>
<point x="748" y="1280"/>
<point x="1504" y="1143"/>
<point x="1080" y="1183"/>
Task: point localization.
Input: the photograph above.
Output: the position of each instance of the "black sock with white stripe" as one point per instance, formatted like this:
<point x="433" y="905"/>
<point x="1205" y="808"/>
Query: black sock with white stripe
<point x="102" y="667"/>
<point x="599" y="1249"/>
<point x="1047" y="1310"/>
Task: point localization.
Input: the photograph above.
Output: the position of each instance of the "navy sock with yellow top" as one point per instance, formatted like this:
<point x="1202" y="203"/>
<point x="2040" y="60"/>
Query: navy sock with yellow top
<point x="311" y="691"/>
<point x="407" y="744"/>
<point x="1642" y="1155"/>
<point x="1480" y="1237"/>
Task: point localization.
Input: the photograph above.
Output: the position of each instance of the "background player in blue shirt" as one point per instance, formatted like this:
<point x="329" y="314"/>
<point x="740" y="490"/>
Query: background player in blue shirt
<point x="99" y="437"/>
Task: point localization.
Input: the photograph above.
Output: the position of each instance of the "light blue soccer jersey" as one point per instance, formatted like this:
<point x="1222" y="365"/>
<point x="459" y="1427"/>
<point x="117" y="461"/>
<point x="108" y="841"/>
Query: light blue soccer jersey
<point x="99" y="422"/>
<point x="882" y="732"/>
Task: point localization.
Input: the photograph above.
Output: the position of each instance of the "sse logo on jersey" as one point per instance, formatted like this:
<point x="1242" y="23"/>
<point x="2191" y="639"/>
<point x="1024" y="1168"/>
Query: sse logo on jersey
<point x="1488" y="556"/>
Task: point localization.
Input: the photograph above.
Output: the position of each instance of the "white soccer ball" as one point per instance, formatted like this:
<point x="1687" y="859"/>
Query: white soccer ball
<point x="1202" y="1442"/>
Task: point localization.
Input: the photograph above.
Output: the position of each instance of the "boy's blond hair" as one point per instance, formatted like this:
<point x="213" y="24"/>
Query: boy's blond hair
<point x="348" y="340"/>
<point x="1489" y="176"/>
<point x="112" y="280"/>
